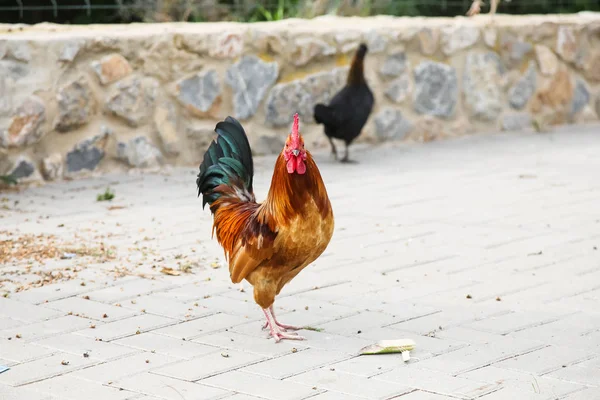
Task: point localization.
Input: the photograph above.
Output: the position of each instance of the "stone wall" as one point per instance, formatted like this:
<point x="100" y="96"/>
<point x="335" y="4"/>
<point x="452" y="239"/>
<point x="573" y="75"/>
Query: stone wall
<point x="78" y="99"/>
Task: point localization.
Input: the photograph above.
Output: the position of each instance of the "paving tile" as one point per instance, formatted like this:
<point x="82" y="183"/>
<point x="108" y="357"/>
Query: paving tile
<point x="42" y="368"/>
<point x="192" y="329"/>
<point x="331" y="342"/>
<point x="422" y="395"/>
<point x="578" y="374"/>
<point x="20" y="393"/>
<point x="587" y="394"/>
<point x="239" y="396"/>
<point x="244" y="307"/>
<point x="90" y="309"/>
<point x="433" y="381"/>
<point x="79" y="345"/>
<point x="208" y="365"/>
<point x="129" y="289"/>
<point x="71" y="388"/>
<point x="123" y="367"/>
<point x="353" y="324"/>
<point x="154" y="304"/>
<point x="503" y="393"/>
<point x="168" y="388"/>
<point x="7" y="323"/>
<point x="513" y="322"/>
<point x="325" y="378"/>
<point x="475" y="356"/>
<point x="191" y="292"/>
<point x="523" y="381"/>
<point x="254" y="385"/>
<point x="127" y="327"/>
<point x="17" y="351"/>
<point x="166" y="345"/>
<point x="53" y="292"/>
<point x="40" y="330"/>
<point x="296" y="363"/>
<point x="250" y="344"/>
<point x="21" y="311"/>
<point x="545" y="360"/>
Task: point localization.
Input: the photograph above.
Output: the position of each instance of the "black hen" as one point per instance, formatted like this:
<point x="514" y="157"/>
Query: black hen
<point x="348" y="111"/>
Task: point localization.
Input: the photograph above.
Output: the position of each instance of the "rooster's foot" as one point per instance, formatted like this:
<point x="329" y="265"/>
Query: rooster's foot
<point x="279" y="331"/>
<point x="278" y="336"/>
<point x="348" y="161"/>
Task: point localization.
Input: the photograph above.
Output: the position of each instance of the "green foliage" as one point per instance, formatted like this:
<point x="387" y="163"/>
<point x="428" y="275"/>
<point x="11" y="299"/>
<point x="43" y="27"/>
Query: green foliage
<point x="106" y="196"/>
<point x="8" y="180"/>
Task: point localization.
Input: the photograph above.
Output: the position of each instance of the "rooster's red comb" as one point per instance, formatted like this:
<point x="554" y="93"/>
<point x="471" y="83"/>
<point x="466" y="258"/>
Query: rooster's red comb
<point x="295" y="127"/>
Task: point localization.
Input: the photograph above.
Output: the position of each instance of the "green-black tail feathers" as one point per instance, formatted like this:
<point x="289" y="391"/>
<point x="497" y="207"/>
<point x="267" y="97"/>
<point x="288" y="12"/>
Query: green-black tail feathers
<point x="228" y="161"/>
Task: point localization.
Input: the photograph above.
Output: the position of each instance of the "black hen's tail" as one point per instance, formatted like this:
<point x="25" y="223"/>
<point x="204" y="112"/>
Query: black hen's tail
<point x="228" y="161"/>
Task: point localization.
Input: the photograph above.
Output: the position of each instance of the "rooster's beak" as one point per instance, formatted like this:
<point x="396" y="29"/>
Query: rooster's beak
<point x="295" y="152"/>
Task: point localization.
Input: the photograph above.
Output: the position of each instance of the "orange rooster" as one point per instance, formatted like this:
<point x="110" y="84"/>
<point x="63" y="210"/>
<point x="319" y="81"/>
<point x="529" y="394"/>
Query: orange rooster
<point x="267" y="243"/>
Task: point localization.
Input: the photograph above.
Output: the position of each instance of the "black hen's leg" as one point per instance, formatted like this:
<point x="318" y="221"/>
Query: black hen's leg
<point x="333" y="149"/>
<point x="346" y="159"/>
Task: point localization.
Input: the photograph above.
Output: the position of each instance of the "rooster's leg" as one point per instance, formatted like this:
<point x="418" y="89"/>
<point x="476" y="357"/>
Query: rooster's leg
<point x="346" y="155"/>
<point x="282" y="326"/>
<point x="276" y="331"/>
<point x="333" y="149"/>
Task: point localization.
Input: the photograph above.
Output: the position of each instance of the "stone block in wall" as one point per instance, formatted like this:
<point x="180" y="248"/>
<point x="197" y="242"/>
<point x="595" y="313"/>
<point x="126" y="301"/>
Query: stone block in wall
<point x="52" y="167"/>
<point x="76" y="105"/>
<point x="226" y="45"/>
<point x="566" y="43"/>
<point x="436" y="89"/>
<point x="199" y="137"/>
<point x="399" y="89"/>
<point x="376" y="41"/>
<point x="546" y="59"/>
<point x="390" y="124"/>
<point x="516" y="121"/>
<point x="458" y="37"/>
<point x="166" y="122"/>
<point x="581" y="98"/>
<point x="139" y="152"/>
<point x="482" y="91"/>
<point x="87" y="154"/>
<point x="429" y="39"/>
<point x="303" y="50"/>
<point x="200" y="93"/>
<point x="267" y="145"/>
<point x="301" y="95"/>
<point x="250" y="78"/>
<point x="513" y="50"/>
<point x="134" y="99"/>
<point x="591" y="66"/>
<point x="26" y="126"/>
<point x="347" y="41"/>
<point x="24" y="170"/>
<point x="111" y="68"/>
<point x="523" y="89"/>
<point x="70" y="50"/>
<point x="556" y="94"/>
<point x="16" y="49"/>
<point x="394" y="65"/>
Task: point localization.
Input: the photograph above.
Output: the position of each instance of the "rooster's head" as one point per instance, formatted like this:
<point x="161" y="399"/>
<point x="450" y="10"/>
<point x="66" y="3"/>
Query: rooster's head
<point x="294" y="152"/>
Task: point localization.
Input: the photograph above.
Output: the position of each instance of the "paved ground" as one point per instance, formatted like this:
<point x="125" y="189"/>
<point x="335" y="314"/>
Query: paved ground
<point x="483" y="250"/>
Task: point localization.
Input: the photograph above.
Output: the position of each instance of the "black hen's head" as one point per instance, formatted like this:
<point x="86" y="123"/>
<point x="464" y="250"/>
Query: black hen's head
<point x="362" y="50"/>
